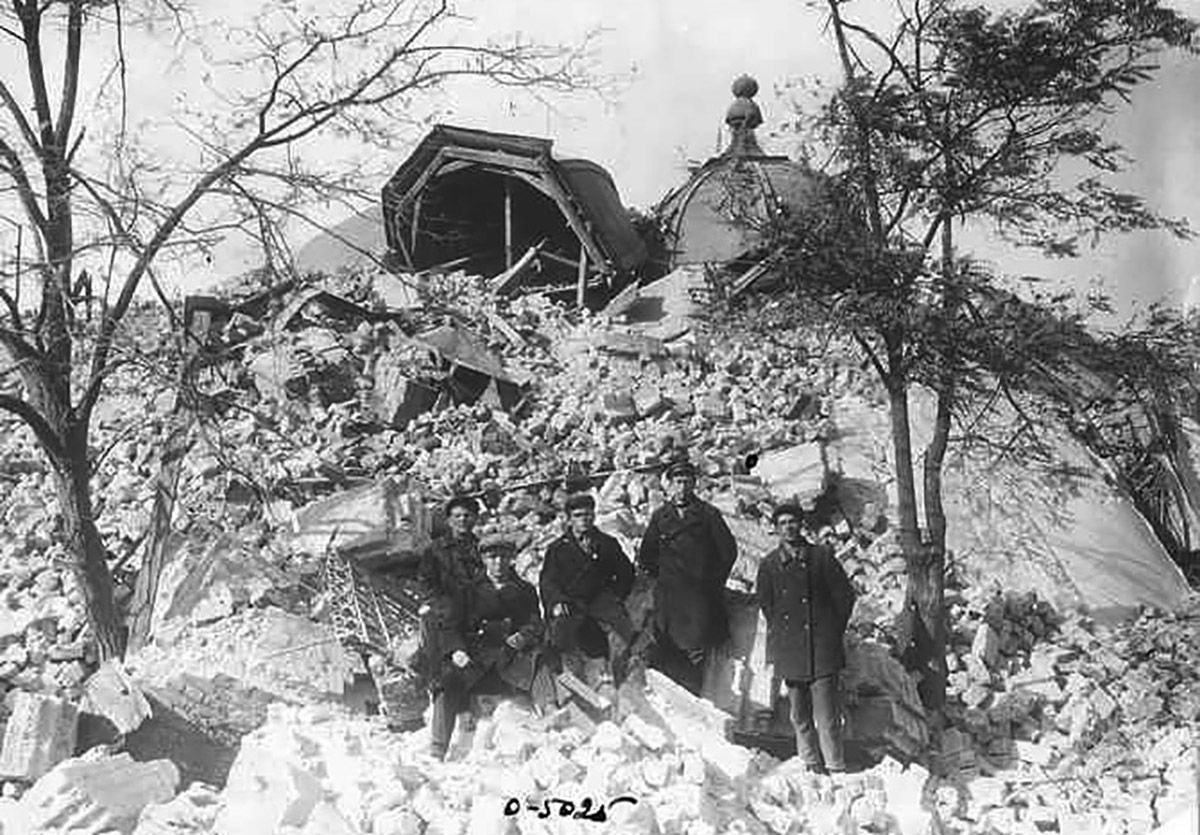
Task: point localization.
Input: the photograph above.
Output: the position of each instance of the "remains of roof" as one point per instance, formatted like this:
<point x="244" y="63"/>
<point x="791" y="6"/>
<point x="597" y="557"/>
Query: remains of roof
<point x="492" y="197"/>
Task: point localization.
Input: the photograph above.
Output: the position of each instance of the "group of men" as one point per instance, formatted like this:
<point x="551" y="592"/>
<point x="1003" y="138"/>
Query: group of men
<point x="488" y="631"/>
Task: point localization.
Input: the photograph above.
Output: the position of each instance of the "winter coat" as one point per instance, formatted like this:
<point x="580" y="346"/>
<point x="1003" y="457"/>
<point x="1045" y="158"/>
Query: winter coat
<point x="593" y="583"/>
<point x="492" y="613"/>
<point x="448" y="568"/>
<point x="691" y="552"/>
<point x="807" y="602"/>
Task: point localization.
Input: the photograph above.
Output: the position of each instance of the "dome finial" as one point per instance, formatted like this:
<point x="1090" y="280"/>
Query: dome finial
<point x="743" y="116"/>
<point x="745" y="86"/>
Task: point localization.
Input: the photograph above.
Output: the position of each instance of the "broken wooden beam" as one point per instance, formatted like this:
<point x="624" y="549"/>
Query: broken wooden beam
<point x="502" y="282"/>
<point x="590" y="698"/>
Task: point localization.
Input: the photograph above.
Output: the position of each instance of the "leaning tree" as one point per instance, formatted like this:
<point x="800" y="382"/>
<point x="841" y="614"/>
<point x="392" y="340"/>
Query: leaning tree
<point x="81" y="160"/>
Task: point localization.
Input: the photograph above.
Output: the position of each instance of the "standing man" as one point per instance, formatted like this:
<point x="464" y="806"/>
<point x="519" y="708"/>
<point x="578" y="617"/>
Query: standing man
<point x="584" y="582"/>
<point x="448" y="570"/>
<point x="690" y="550"/>
<point x="806" y="597"/>
<point x="452" y="563"/>
<point x="492" y="645"/>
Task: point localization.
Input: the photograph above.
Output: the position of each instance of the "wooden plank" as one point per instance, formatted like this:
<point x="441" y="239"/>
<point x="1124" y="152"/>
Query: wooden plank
<point x="508" y="224"/>
<point x="582" y="276"/>
<point x="498" y="158"/>
<point x="584" y="693"/>
<point x="747" y="279"/>
<point x="502" y="282"/>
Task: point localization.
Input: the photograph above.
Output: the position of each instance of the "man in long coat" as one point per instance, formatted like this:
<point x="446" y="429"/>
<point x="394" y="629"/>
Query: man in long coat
<point x="807" y="598"/>
<point x="690" y="551"/>
<point x="491" y="645"/>
<point x="584" y="581"/>
<point x="451" y="564"/>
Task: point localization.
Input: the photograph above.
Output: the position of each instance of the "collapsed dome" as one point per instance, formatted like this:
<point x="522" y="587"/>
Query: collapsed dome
<point x="720" y="213"/>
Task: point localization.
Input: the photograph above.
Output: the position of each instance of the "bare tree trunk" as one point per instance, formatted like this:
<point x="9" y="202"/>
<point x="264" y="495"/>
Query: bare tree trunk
<point x="926" y="593"/>
<point x="921" y="625"/>
<point x="927" y="575"/>
<point x="88" y="557"/>
<point x="906" y="487"/>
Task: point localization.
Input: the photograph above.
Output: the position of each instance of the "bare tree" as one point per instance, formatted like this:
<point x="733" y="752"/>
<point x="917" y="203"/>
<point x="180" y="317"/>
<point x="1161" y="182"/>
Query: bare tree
<point x="349" y="72"/>
<point x="961" y="114"/>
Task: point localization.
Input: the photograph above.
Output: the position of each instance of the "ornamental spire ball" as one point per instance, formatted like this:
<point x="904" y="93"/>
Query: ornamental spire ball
<point x="743" y="113"/>
<point x="745" y="87"/>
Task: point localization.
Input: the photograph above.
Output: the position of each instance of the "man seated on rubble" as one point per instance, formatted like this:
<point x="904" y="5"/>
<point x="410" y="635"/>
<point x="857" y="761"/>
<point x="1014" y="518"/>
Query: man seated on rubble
<point x="584" y="581"/>
<point x="807" y="598"/>
<point x="492" y="647"/>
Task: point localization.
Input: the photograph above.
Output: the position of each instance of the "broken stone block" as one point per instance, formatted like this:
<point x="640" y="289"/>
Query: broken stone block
<point x="692" y="768"/>
<point x="645" y="733"/>
<point x="112" y="694"/>
<point x="39" y="734"/>
<point x="1087" y="823"/>
<point x="776" y="819"/>
<point x="987" y="792"/>
<point x="619" y="407"/>
<point x="513" y="741"/>
<point x="397" y="822"/>
<point x="986" y="645"/>
<point x="1103" y="704"/>
<point x="265" y="791"/>
<point x="549" y="767"/>
<point x="325" y="819"/>
<point x="655" y="772"/>
<point x="192" y="810"/>
<point x="1030" y="752"/>
<point x="904" y="788"/>
<point x="608" y="737"/>
<point x="97" y="795"/>
<point x="649" y="401"/>
<point x="379" y="518"/>
<point x="572" y="716"/>
<point x="675" y="805"/>
<point x="976" y="694"/>
<point x="487" y="817"/>
<point x="697" y="723"/>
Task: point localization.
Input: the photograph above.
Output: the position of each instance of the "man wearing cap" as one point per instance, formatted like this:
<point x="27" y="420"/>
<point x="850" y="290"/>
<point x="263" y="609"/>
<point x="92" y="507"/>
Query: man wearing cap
<point x="447" y="570"/>
<point x="806" y="598"/>
<point x="492" y="645"/>
<point x="451" y="564"/>
<point x="690" y="550"/>
<point x="584" y="581"/>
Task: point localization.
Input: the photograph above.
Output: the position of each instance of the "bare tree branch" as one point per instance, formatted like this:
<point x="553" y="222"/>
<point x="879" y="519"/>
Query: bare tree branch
<point x="25" y="192"/>
<point x="66" y="113"/>
<point x="34" y="420"/>
<point x="31" y="18"/>
<point x="19" y="117"/>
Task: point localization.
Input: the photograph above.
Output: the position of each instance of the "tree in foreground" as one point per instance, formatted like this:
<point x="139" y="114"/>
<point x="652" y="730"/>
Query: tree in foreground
<point x="964" y="115"/>
<point x="97" y="202"/>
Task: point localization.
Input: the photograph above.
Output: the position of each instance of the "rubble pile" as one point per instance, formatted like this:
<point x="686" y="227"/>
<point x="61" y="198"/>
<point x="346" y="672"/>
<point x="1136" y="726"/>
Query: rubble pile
<point x="320" y="770"/>
<point x="1070" y="720"/>
<point x="1056" y="722"/>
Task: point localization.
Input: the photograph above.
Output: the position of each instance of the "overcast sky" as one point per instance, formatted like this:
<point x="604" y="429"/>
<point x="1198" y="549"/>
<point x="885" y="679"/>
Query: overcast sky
<point x="678" y="58"/>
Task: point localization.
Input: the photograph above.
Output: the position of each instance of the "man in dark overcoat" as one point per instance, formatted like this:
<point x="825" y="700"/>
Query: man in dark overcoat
<point x="451" y="564"/>
<point x="492" y="645"/>
<point x="807" y="598"/>
<point x="584" y="581"/>
<point x="690" y="551"/>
